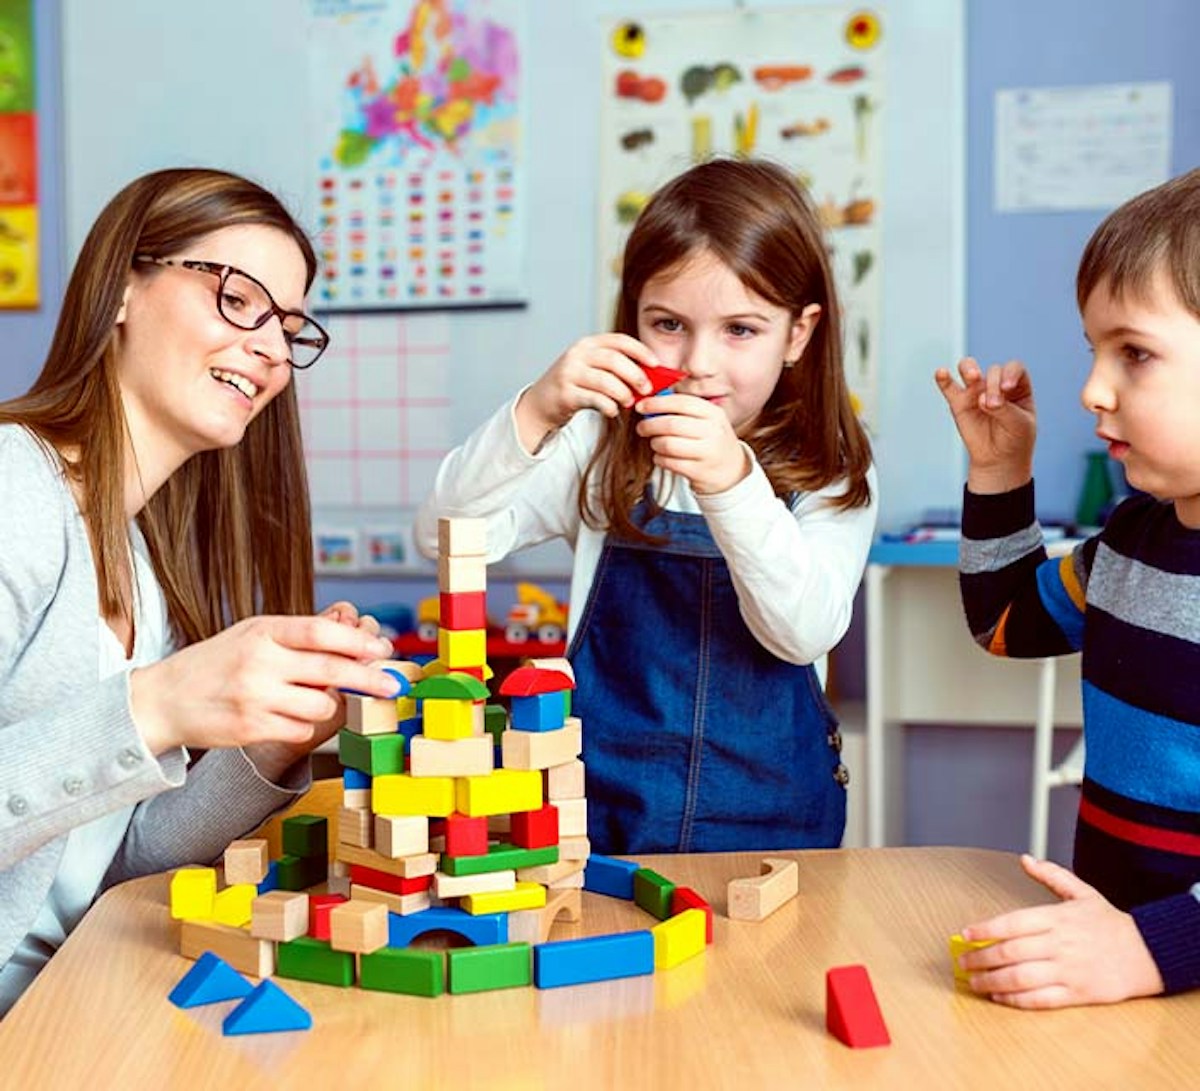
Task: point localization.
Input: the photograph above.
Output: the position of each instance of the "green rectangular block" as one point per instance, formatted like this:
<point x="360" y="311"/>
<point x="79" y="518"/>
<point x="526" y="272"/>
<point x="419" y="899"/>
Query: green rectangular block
<point x="301" y="872"/>
<point x="653" y="893"/>
<point x="495" y="966"/>
<point x="309" y="959"/>
<point x="376" y="755"/>
<point x="403" y="970"/>
<point x="306" y="835"/>
<point x="499" y="858"/>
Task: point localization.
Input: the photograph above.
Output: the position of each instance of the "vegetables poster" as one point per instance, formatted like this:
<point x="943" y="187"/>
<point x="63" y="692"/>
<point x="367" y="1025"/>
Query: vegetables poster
<point x="803" y="87"/>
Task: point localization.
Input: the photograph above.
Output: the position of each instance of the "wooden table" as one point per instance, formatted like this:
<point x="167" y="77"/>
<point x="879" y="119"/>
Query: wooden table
<point x="748" y="1014"/>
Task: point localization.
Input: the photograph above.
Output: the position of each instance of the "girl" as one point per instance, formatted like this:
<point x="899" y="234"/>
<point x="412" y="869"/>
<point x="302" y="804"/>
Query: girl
<point x="157" y="472"/>
<point x="720" y="530"/>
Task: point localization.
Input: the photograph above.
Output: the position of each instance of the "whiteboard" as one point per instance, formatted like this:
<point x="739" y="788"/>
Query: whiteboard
<point x="149" y="84"/>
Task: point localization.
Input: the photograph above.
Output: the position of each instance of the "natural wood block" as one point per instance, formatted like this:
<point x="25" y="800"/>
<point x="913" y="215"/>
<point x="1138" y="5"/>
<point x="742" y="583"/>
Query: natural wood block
<point x="755" y="899"/>
<point x="246" y="861"/>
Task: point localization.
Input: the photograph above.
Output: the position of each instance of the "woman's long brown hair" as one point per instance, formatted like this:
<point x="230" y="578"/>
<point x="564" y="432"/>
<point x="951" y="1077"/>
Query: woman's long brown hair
<point x="229" y="533"/>
<point x="755" y="219"/>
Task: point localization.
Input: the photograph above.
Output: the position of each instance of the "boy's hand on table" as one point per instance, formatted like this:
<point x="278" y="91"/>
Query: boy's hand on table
<point x="1082" y="950"/>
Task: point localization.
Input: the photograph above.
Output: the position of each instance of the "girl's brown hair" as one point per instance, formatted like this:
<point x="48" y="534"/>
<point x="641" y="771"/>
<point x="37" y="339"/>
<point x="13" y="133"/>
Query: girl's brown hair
<point x="229" y="532"/>
<point x="753" y="217"/>
<point x="1157" y="229"/>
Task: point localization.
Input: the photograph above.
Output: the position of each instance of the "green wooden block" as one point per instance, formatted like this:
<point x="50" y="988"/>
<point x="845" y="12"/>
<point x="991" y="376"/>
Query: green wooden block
<point x="566" y="703"/>
<point x="373" y="754"/>
<point x="653" y="893"/>
<point x="403" y="970"/>
<point x="499" y="857"/>
<point x="309" y="959"/>
<point x="495" y="966"/>
<point x="301" y="872"/>
<point x="306" y="835"/>
<point x="495" y="721"/>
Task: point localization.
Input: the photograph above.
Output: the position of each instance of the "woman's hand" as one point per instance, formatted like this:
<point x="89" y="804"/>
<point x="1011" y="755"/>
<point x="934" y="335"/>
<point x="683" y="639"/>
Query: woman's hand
<point x="695" y="439"/>
<point x="995" y="416"/>
<point x="600" y="372"/>
<point x="263" y="680"/>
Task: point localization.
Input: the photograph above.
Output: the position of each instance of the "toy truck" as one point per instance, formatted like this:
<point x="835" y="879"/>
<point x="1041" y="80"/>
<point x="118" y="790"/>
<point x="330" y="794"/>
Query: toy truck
<point x="536" y="613"/>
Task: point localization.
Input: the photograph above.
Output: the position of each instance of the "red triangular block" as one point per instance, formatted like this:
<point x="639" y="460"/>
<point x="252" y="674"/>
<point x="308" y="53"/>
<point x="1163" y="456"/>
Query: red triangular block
<point x="852" y="1013"/>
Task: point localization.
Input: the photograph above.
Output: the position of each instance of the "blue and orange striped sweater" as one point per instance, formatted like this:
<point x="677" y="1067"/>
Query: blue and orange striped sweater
<point x="1129" y="600"/>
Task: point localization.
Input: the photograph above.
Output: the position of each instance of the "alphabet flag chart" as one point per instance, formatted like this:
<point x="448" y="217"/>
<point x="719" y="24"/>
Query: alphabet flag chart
<point x="418" y="173"/>
<point x="802" y="87"/>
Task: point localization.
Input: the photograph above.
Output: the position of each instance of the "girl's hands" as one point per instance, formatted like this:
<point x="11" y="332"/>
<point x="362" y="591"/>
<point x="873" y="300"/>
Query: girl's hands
<point x="600" y="372"/>
<point x="346" y="613"/>
<point x="695" y="439"/>
<point x="1082" y="950"/>
<point x="265" y="680"/>
<point x="995" y="416"/>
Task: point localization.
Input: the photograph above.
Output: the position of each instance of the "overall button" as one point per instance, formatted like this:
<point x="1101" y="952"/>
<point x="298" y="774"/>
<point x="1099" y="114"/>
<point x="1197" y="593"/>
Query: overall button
<point x="18" y="805"/>
<point x="129" y="758"/>
<point x="73" y="786"/>
<point x="834" y="739"/>
<point x="841" y="774"/>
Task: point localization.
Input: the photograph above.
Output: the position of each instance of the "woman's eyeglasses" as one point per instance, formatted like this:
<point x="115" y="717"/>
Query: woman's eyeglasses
<point x="245" y="303"/>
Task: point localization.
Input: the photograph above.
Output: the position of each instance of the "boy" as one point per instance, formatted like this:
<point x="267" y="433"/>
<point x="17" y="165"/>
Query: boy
<point x="1128" y="923"/>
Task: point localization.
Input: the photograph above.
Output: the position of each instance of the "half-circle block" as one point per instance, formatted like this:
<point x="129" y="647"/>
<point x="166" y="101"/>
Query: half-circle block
<point x="482" y="930"/>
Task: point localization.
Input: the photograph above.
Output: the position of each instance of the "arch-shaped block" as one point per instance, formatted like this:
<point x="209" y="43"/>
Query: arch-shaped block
<point x="482" y="929"/>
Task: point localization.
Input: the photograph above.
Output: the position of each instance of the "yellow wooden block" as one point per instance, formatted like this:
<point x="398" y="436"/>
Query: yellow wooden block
<point x="462" y="647"/>
<point x="192" y="892"/>
<point x="406" y="708"/>
<point x="400" y="793"/>
<point x="233" y="905"/>
<point x="526" y="896"/>
<point x="679" y="938"/>
<point x="503" y="792"/>
<point x="446" y="718"/>
<point x="959" y="946"/>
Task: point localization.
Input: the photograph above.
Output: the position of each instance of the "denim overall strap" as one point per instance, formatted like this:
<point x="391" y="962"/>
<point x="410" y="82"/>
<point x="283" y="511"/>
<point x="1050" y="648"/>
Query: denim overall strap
<point x="696" y="738"/>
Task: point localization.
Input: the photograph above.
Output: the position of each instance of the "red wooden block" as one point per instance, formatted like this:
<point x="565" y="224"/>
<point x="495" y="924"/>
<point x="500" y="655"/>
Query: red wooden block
<point x="466" y="836"/>
<point x="684" y="897"/>
<point x="382" y="880"/>
<point x="462" y="610"/>
<point x="535" y="829"/>
<point x="662" y="377"/>
<point x="319" y="908"/>
<point x="852" y="1013"/>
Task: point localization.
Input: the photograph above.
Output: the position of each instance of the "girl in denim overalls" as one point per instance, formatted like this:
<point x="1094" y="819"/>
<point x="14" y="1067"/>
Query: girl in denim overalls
<point x="720" y="528"/>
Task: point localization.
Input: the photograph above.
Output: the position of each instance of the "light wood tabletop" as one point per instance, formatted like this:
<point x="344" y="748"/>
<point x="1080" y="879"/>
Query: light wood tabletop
<point x="749" y="1013"/>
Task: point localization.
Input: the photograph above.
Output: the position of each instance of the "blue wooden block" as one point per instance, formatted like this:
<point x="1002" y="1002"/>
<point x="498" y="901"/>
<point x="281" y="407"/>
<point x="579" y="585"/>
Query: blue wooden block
<point x="268" y="1008"/>
<point x="483" y="930"/>
<point x="271" y="879"/>
<point x="594" y="958"/>
<point x="355" y="778"/>
<point x="539" y="712"/>
<point x="409" y="728"/>
<point x="605" y="875"/>
<point x="209" y="981"/>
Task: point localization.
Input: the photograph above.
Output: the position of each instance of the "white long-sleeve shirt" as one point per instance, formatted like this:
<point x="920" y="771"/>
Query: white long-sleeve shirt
<point x="795" y="570"/>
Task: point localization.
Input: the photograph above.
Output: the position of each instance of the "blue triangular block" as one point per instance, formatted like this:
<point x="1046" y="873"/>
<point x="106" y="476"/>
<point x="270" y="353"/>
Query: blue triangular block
<point x="266" y="1009"/>
<point x="209" y="981"/>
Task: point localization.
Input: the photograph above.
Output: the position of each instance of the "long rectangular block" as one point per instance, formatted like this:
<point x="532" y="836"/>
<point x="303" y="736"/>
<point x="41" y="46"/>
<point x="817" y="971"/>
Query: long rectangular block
<point x="608" y="875"/>
<point x="413" y="973"/>
<point x="678" y="938"/>
<point x="371" y="754"/>
<point x="541" y="749"/>
<point x="499" y="858"/>
<point x="525" y="896"/>
<point x="404" y="794"/>
<point x="503" y="792"/>
<point x="594" y="958"/>
<point x="469" y="757"/>
<point x="478" y="969"/>
<point x="242" y="951"/>
<point x="308" y="959"/>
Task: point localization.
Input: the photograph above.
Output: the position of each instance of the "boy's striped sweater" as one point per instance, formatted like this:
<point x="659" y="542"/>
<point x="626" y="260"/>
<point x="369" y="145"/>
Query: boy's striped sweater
<point x="1129" y="599"/>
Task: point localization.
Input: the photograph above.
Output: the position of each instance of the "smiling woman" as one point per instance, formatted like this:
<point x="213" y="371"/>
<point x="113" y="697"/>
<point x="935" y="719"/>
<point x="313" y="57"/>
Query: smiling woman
<point x="157" y="464"/>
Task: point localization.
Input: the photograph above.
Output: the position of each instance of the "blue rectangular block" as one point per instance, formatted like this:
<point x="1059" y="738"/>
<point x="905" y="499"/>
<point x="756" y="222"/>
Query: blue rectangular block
<point x="355" y="778"/>
<point x="594" y="958"/>
<point x="604" y="875"/>
<point x="540" y="712"/>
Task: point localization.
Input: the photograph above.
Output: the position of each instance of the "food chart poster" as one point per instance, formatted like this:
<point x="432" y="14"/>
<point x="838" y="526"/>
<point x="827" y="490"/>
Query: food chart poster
<point x="419" y="169"/>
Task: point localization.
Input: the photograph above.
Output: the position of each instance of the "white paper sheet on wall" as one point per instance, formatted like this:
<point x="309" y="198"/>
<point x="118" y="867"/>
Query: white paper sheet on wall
<point x="1068" y="148"/>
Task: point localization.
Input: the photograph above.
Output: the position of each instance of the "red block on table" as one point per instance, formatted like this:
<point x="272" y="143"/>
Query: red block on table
<point x="319" y="908"/>
<point x="684" y="897"/>
<point x="535" y="829"/>
<point x="462" y="610"/>
<point x="466" y="836"/>
<point x="852" y="1013"/>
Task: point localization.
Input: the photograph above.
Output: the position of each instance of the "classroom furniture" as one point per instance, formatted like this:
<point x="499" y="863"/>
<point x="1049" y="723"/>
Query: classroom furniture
<point x="923" y="667"/>
<point x="749" y="1012"/>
